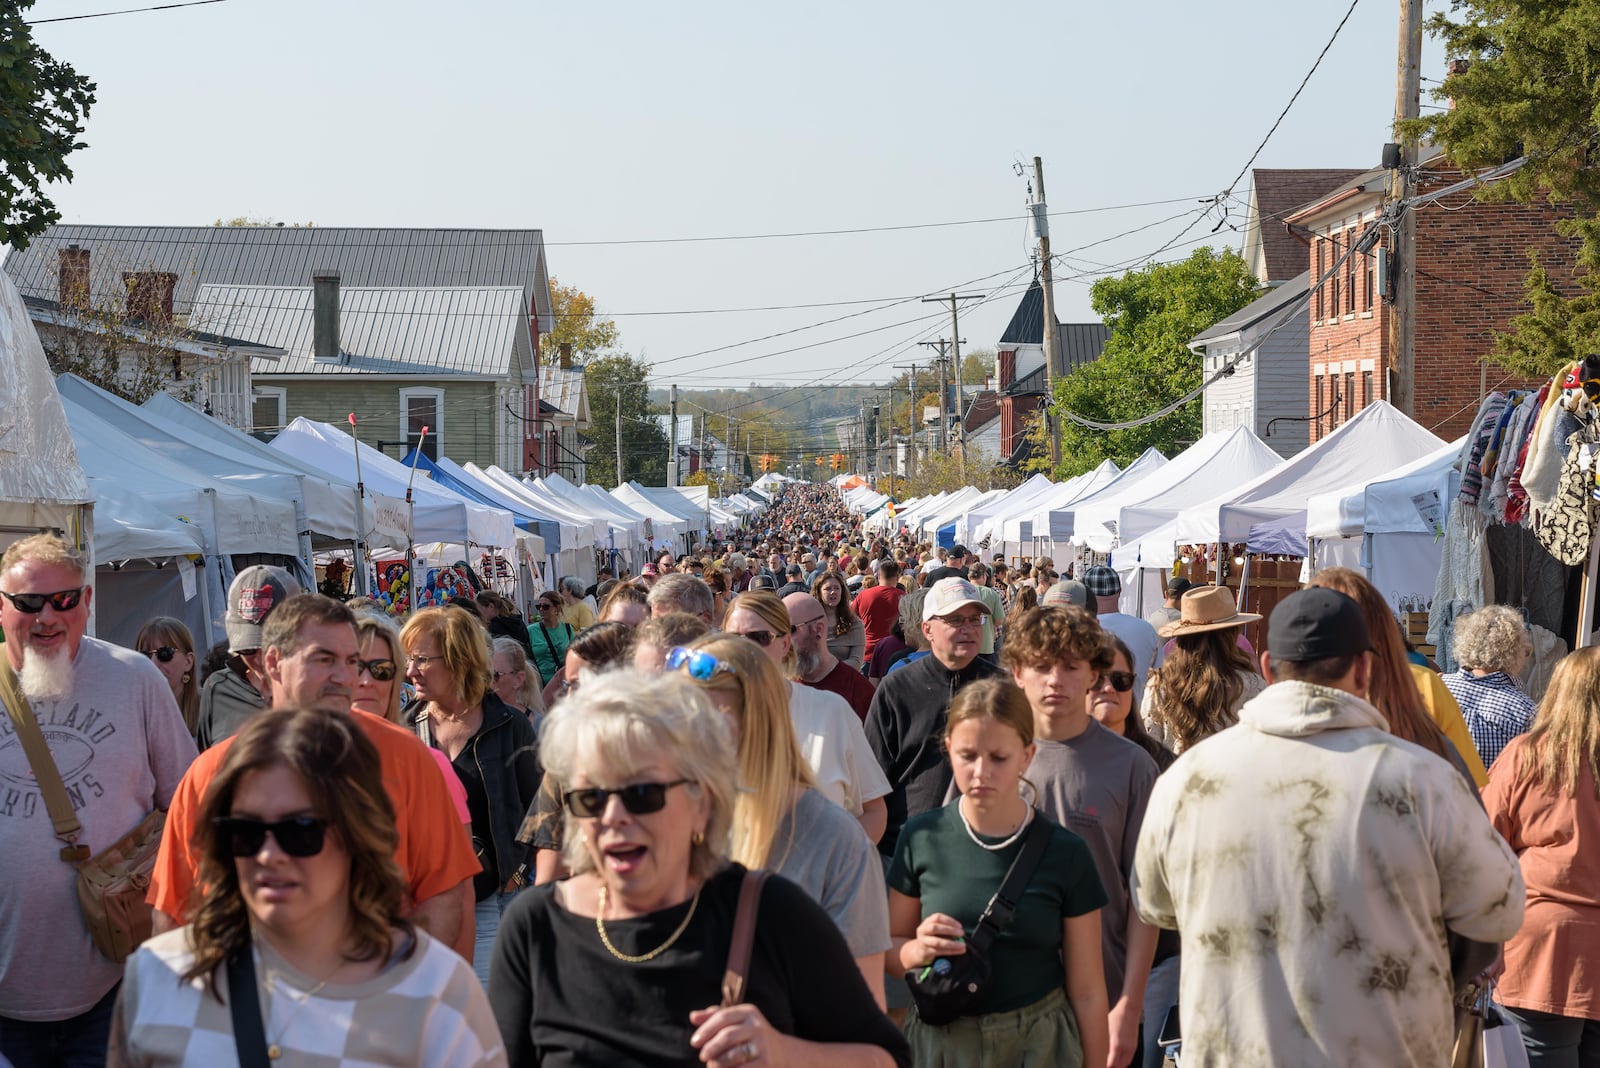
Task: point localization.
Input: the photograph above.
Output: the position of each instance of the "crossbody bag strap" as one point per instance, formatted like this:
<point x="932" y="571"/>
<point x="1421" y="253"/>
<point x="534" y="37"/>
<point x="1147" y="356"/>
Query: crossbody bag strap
<point x="62" y="818"/>
<point x="249" y="1033"/>
<point x="1002" y="907"/>
<point x="744" y="938"/>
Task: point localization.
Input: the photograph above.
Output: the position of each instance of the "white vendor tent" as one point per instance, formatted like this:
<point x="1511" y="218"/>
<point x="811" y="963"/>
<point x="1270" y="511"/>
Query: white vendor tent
<point x="977" y="527"/>
<point x="1023" y="528"/>
<point x="1058" y="523"/>
<point x="1375" y="439"/>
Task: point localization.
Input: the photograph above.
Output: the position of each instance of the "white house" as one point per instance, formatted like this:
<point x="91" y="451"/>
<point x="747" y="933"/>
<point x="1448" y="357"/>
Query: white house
<point x="1265" y="343"/>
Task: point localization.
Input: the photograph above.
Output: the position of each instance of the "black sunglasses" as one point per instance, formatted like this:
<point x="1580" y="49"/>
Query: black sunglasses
<point x="640" y="798"/>
<point x="381" y="670"/>
<point x="762" y="638"/>
<point x="163" y="654"/>
<point x="298" y="836"/>
<point x="33" y="603"/>
<point x="1121" y="681"/>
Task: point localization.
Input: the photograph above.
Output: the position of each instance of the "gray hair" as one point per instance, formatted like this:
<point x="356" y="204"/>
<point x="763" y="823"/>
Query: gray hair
<point x="573" y="585"/>
<point x="623" y="720"/>
<point x="530" y="692"/>
<point x="1493" y="638"/>
<point x="372" y="623"/>
<point x="680" y="593"/>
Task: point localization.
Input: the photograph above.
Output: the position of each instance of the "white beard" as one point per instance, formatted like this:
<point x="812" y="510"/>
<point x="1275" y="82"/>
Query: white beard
<point x="45" y="677"/>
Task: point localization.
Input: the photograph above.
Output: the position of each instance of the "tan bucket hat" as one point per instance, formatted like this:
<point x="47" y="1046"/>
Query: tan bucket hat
<point x="1207" y="608"/>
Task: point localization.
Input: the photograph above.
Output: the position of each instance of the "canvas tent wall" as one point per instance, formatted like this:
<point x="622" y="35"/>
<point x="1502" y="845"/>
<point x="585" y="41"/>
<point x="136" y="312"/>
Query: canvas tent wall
<point x="1058" y="523"/>
<point x="1020" y="528"/>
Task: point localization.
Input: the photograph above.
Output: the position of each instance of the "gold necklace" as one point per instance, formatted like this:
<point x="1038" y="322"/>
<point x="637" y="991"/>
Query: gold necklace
<point x="600" y="925"/>
<point x="275" y="1048"/>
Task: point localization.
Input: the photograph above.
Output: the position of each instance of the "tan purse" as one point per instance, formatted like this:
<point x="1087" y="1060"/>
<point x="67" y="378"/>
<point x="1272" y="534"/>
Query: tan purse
<point x="111" y="886"/>
<point x="744" y="937"/>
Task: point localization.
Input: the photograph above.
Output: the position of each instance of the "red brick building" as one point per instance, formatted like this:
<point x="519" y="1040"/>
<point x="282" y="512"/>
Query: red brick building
<point x="1471" y="259"/>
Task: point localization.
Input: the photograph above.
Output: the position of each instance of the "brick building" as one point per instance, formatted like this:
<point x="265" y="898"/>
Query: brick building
<point x="1471" y="259"/>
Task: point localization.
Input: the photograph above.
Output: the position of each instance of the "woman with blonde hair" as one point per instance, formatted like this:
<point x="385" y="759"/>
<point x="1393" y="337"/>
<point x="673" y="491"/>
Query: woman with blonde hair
<point x="1413" y="699"/>
<point x="1544" y="798"/>
<point x="170" y="647"/>
<point x="1206" y="677"/>
<point x="780" y="820"/>
<point x="493" y="751"/>
<point x="302" y="924"/>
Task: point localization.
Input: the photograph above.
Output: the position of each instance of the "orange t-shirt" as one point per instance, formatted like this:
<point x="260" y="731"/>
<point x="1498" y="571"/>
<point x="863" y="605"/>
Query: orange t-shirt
<point x="435" y="851"/>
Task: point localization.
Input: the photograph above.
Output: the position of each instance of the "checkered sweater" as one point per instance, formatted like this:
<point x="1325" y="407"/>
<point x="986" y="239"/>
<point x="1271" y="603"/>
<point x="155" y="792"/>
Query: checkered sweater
<point x="426" y="1011"/>
<point x="1495" y="708"/>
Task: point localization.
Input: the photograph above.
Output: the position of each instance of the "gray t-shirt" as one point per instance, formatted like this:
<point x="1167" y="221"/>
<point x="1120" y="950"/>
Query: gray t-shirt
<point x="831" y="859"/>
<point x="121" y="747"/>
<point x="1097" y="785"/>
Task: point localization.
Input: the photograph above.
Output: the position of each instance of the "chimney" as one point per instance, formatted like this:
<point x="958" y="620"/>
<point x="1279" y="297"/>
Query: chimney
<point x="325" y="314"/>
<point x="1453" y="68"/>
<point x="566" y="353"/>
<point x="72" y="277"/>
<point x="150" y="295"/>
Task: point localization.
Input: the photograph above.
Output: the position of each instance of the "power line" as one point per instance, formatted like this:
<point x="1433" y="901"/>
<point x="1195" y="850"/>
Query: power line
<point x="124" y="11"/>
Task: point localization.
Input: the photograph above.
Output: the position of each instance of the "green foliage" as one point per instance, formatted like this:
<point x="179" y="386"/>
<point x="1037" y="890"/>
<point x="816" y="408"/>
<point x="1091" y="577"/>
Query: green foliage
<point x="577" y="324"/>
<point x="1530" y="89"/>
<point x="43" y="103"/>
<point x="610" y="379"/>
<point x="1146" y="364"/>
<point x="941" y="472"/>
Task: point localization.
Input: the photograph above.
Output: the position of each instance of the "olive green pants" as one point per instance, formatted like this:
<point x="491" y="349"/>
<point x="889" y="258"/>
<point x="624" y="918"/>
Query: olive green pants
<point x="1044" y="1033"/>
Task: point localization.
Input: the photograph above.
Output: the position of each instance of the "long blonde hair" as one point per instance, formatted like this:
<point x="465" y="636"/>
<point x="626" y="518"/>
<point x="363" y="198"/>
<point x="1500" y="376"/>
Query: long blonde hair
<point x="770" y="762"/>
<point x="1566" y="731"/>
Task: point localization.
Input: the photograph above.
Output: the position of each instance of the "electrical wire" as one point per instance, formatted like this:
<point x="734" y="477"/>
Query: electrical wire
<point x="124" y="11"/>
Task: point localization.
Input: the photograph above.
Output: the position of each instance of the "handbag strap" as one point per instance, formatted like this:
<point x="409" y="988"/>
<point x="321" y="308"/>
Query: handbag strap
<point x="249" y="1034"/>
<point x="62" y="818"/>
<point x="1002" y="907"/>
<point x="744" y="938"/>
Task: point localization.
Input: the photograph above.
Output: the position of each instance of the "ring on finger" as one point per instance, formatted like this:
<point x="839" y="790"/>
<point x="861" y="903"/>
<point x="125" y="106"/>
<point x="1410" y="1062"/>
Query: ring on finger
<point x="749" y="1051"/>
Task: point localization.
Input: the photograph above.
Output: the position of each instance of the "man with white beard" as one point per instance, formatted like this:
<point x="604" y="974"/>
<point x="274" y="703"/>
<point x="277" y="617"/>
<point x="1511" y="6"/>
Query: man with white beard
<point x="120" y="745"/>
<point x="814" y="663"/>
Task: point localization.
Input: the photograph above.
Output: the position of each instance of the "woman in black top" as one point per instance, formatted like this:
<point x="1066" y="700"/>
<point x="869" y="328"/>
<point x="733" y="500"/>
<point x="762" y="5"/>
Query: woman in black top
<point x="623" y="962"/>
<point x="493" y="750"/>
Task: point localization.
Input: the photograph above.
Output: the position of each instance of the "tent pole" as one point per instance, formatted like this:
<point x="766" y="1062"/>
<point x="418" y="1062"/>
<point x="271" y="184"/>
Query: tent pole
<point x="1586" y="597"/>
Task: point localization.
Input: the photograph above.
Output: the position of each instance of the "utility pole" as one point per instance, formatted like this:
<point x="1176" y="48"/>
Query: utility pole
<point x="1053" y="367"/>
<point x="1402" y="187"/>
<point x="911" y="415"/>
<point x="955" y="351"/>
<point x="941" y="344"/>
<point x="672" y="436"/>
<point x="619" y="434"/>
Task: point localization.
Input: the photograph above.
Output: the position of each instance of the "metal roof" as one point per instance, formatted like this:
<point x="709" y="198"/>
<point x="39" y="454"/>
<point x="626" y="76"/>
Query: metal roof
<point x="1080" y="342"/>
<point x="1257" y="310"/>
<point x="466" y="330"/>
<point x="287" y="256"/>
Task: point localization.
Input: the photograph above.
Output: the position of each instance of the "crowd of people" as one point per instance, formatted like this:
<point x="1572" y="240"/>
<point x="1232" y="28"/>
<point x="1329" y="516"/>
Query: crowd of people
<point x="805" y="795"/>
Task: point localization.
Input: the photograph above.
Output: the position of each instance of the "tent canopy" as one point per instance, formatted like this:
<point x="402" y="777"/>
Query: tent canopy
<point x="1022" y="526"/>
<point x="1382" y="501"/>
<point x="1058" y="523"/>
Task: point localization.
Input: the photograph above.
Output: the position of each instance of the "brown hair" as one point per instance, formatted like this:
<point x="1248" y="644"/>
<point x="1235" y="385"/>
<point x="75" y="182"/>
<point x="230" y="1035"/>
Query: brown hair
<point x="1201" y="684"/>
<point x="1566" y="731"/>
<point x="623" y="593"/>
<point x="844" y="619"/>
<point x="462" y="641"/>
<point x="164" y="630"/>
<point x="282" y="628"/>
<point x="1133" y="727"/>
<point x="341" y="772"/>
<point x="671" y="629"/>
<point x="1393" y="690"/>
<point x="998" y="699"/>
<point x="1049" y="635"/>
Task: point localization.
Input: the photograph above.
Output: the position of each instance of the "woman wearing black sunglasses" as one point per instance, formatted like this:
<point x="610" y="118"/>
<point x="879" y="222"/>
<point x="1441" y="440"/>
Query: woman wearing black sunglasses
<point x="169" y="645"/>
<point x="302" y="922"/>
<point x="623" y="962"/>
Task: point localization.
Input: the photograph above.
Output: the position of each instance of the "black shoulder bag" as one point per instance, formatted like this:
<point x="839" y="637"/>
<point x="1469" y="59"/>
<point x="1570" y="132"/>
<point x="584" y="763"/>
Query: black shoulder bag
<point x="249" y="1035"/>
<point x="947" y="988"/>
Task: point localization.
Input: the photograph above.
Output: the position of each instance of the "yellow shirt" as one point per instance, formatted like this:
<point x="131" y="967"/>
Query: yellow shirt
<point x="580" y="615"/>
<point x="1444" y="711"/>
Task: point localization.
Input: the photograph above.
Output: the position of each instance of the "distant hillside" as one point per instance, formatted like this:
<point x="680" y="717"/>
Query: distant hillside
<point x="802" y="407"/>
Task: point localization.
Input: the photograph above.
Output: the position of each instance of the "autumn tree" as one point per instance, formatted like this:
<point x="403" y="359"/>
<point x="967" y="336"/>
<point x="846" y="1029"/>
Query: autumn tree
<point x="1146" y="364"/>
<point x="1529" y="90"/>
<point x="577" y="324"/>
<point x="43" y="103"/>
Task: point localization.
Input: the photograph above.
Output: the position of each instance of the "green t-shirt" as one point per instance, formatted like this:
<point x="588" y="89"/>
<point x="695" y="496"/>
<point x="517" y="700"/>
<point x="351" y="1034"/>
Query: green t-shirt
<point x="936" y="862"/>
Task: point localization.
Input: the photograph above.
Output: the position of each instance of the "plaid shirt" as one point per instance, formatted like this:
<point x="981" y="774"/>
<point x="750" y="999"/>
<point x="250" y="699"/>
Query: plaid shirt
<point x="1495" y="708"/>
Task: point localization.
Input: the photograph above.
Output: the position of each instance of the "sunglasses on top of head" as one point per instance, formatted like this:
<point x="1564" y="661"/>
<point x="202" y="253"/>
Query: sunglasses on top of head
<point x="164" y="654"/>
<point x="298" y="836"/>
<point x="33" y="603"/>
<point x="640" y="798"/>
<point x="698" y="663"/>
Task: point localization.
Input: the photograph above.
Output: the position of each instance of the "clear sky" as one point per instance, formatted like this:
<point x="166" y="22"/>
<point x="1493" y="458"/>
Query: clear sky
<point x="611" y="124"/>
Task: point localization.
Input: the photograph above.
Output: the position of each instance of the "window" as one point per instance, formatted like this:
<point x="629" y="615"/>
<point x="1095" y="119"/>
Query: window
<point x="1318" y="274"/>
<point x="267" y="409"/>
<point x="1336" y="268"/>
<point x="1366" y="388"/>
<point x="1349" y="394"/>
<point x="421" y="407"/>
<point x="1317" y="404"/>
<point x="1350" y="276"/>
<point x="1369" y="271"/>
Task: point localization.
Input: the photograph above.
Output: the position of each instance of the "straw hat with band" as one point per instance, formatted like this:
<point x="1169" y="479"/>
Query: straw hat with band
<point x="1207" y="608"/>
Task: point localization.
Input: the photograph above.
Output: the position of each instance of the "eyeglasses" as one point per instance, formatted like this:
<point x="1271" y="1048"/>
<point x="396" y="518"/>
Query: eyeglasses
<point x="298" y="836"/>
<point x="33" y="603"/>
<point x="808" y="622"/>
<point x="498" y="675"/>
<point x="163" y="654"/>
<point x="640" y="798"/>
<point x="420" y="660"/>
<point x="700" y="664"/>
<point x="381" y="670"/>
<point x="1121" y="681"/>
<point x="961" y="622"/>
<point x="762" y="638"/>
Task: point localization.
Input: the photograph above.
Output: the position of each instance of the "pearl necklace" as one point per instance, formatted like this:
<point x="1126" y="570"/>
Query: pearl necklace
<point x="1027" y="818"/>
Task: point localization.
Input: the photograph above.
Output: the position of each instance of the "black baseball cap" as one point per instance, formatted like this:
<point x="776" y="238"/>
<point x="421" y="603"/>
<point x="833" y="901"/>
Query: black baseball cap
<point x="1316" y="624"/>
<point x="1178" y="587"/>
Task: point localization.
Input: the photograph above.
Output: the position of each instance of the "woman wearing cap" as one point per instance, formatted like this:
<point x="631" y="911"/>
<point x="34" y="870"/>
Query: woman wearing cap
<point x="1207" y="678"/>
<point x="549" y="637"/>
<point x="847" y="635"/>
<point x="780" y="820"/>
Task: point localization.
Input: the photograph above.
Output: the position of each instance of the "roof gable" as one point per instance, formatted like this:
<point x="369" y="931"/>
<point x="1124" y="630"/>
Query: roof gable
<point x="467" y="330"/>
<point x="1081" y="343"/>
<point x="1275" y="194"/>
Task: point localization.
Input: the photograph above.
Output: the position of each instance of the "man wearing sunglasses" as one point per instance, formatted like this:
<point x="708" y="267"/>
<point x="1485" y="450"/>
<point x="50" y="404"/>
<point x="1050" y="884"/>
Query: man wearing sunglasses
<point x="905" y="725"/>
<point x="120" y="747"/>
<point x="311" y="658"/>
<point x="237" y="692"/>
<point x="1092" y="781"/>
